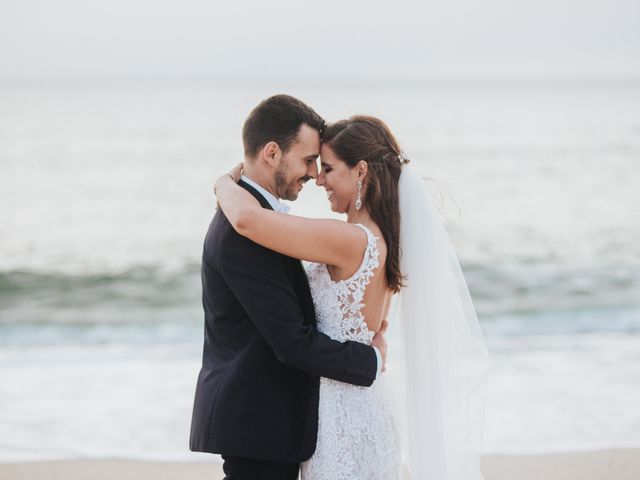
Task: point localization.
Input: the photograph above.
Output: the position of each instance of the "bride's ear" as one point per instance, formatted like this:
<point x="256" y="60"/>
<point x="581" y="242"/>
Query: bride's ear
<point x="362" y="168"/>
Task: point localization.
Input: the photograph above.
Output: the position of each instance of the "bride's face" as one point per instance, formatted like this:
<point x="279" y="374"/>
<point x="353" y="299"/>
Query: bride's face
<point x="338" y="179"/>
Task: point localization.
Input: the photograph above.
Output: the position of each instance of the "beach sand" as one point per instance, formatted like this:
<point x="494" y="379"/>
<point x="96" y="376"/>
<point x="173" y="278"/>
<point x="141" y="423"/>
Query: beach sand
<point x="622" y="464"/>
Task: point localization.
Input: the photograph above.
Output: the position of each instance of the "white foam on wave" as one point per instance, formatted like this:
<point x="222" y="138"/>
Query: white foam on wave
<point x="545" y="393"/>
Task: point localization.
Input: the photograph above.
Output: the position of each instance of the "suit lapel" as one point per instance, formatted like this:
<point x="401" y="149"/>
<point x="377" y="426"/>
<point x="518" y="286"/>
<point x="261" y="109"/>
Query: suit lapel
<point x="295" y="265"/>
<point x="264" y="203"/>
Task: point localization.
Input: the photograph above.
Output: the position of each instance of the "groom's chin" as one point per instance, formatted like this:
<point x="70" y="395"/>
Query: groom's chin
<point x="291" y="196"/>
<point x="292" y="193"/>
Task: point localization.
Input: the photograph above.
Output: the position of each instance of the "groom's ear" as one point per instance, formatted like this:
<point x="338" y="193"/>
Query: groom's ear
<point x="271" y="154"/>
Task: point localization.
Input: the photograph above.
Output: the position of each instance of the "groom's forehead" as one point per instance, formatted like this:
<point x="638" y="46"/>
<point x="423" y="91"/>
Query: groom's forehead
<point x="305" y="152"/>
<point x="308" y="141"/>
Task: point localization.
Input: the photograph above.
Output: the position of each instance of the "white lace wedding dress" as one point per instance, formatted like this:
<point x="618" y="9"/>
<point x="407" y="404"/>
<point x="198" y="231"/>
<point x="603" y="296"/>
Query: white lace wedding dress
<point x="358" y="436"/>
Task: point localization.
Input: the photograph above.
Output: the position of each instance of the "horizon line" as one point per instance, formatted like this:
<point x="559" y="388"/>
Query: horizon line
<point x="244" y="82"/>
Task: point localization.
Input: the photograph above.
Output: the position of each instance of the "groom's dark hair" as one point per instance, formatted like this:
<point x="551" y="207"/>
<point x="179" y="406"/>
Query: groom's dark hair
<point x="277" y="119"/>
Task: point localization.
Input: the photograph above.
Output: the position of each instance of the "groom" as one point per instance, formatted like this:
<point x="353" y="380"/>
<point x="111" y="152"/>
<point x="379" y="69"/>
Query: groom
<point x="256" y="400"/>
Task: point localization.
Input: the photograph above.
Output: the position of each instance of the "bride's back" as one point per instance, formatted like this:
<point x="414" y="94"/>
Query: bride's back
<point x="377" y="296"/>
<point x="362" y="285"/>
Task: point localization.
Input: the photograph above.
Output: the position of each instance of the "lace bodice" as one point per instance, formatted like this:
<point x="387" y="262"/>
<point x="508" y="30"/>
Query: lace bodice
<point x="357" y="431"/>
<point x="339" y="303"/>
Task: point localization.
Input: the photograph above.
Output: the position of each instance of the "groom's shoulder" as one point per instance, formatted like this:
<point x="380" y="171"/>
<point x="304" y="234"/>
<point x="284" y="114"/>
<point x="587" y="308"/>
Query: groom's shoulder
<point x="224" y="240"/>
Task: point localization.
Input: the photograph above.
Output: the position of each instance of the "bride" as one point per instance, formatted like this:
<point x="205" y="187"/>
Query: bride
<point x="392" y="243"/>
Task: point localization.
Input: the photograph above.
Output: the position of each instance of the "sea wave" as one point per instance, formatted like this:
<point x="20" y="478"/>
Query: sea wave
<point x="520" y="296"/>
<point x="139" y="294"/>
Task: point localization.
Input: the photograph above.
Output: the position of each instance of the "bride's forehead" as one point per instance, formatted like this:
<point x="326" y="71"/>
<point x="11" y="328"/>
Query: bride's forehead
<point x="328" y="157"/>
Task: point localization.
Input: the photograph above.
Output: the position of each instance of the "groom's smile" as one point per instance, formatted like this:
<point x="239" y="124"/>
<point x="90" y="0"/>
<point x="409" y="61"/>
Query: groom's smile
<point x="299" y="164"/>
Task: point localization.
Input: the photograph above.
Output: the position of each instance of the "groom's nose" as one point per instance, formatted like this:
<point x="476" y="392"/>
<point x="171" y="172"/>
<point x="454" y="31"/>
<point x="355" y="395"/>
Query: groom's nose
<point x="312" y="171"/>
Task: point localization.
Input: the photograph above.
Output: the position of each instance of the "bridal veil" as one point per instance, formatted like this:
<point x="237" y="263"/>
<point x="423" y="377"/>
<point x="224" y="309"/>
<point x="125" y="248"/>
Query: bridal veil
<point x="442" y="378"/>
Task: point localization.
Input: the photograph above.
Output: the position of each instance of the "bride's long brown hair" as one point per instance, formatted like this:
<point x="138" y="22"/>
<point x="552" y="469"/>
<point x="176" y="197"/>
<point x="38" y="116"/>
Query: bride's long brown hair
<point x="368" y="138"/>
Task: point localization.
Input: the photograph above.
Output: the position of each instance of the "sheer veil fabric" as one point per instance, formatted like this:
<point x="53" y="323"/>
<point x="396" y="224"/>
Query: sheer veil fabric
<point x="442" y="374"/>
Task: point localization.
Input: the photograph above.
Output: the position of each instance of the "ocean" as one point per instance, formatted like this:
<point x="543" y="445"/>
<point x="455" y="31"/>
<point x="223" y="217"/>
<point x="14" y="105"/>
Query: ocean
<point x="106" y="193"/>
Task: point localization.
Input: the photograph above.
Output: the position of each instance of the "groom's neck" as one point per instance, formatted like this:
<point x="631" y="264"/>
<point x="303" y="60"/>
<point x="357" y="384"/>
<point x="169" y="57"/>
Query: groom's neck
<point x="261" y="177"/>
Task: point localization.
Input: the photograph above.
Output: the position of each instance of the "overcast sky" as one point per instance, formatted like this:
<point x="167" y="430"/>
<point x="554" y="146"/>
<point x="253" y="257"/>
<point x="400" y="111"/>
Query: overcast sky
<point x="198" y="40"/>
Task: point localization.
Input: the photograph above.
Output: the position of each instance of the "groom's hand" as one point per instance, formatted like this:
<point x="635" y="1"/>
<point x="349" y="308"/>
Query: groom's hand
<point x="381" y="344"/>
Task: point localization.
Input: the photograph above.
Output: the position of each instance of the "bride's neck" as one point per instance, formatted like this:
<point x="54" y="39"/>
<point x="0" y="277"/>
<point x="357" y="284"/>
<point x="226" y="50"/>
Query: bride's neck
<point x="358" y="216"/>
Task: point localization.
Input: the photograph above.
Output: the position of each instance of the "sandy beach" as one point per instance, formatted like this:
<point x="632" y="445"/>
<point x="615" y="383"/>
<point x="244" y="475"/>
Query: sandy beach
<point x="622" y="464"/>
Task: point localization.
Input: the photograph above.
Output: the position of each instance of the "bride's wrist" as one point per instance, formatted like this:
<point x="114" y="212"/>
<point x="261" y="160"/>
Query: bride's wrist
<point x="222" y="179"/>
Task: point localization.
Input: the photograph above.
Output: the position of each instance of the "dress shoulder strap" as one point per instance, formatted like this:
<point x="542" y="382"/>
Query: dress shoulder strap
<point x="370" y="260"/>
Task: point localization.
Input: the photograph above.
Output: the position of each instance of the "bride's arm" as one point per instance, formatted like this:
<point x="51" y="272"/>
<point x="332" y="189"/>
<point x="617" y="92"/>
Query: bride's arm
<point x="333" y="242"/>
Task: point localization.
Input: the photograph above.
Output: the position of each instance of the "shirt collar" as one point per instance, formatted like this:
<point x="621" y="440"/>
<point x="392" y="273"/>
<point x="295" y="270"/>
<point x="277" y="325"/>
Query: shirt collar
<point x="275" y="203"/>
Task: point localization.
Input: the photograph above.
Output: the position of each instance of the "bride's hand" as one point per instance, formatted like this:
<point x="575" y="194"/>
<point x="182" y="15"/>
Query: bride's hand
<point x="234" y="175"/>
<point x="381" y="343"/>
<point x="236" y="172"/>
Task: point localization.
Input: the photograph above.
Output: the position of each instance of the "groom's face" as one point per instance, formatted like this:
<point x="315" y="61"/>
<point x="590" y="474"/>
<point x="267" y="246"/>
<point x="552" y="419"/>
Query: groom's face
<point x="299" y="164"/>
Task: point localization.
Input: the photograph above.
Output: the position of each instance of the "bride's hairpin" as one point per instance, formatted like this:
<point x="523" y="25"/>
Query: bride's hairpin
<point x="402" y="158"/>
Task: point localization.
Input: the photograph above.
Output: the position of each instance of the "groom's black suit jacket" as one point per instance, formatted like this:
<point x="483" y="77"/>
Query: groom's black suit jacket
<point x="257" y="392"/>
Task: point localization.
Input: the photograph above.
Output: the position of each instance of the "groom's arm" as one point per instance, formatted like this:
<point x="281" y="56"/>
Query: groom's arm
<point x="259" y="281"/>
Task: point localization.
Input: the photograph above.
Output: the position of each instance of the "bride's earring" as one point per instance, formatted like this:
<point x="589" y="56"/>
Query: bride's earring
<point x="359" y="199"/>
